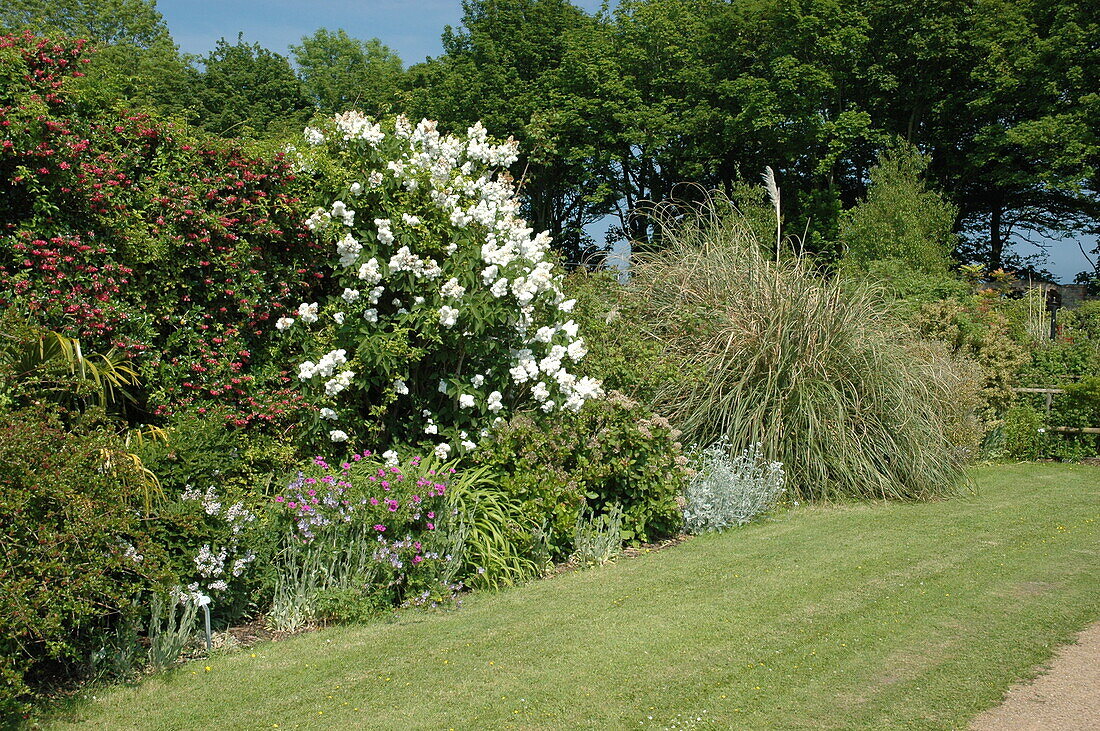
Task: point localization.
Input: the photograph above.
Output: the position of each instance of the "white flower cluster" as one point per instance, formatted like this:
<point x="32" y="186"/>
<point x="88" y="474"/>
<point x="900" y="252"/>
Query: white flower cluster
<point x="447" y="181"/>
<point x="213" y="564"/>
<point x="355" y="125"/>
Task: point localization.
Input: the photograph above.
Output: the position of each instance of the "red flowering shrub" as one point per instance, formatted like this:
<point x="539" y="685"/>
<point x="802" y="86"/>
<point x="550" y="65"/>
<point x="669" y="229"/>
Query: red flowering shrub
<point x="134" y="233"/>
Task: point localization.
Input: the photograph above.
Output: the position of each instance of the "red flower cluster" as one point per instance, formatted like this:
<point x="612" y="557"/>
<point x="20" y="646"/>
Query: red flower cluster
<point x="130" y="232"/>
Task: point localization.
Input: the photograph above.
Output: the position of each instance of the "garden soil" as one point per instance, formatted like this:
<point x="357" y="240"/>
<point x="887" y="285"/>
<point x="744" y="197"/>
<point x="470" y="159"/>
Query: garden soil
<point x="1065" y="697"/>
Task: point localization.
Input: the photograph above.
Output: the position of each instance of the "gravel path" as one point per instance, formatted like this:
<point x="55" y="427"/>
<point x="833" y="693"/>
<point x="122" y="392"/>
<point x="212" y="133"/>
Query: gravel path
<point x="1066" y="696"/>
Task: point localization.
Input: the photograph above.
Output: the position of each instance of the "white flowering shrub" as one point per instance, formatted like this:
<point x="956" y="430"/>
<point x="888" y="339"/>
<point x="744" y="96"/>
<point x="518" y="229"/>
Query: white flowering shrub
<point x="728" y="490"/>
<point x="223" y="557"/>
<point x="445" y="309"/>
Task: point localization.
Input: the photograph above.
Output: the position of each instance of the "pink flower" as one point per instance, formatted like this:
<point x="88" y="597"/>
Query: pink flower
<point x="380" y="528"/>
<point x="431" y="526"/>
<point x="279" y="498"/>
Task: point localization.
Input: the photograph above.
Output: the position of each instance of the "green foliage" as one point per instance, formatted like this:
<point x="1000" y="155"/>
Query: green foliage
<point x="613" y="452"/>
<point x="900" y="219"/>
<point x="245" y="90"/>
<point x="1023" y="432"/>
<point x="75" y="558"/>
<point x="976" y="328"/>
<point x="42" y="364"/>
<point x="498" y="535"/>
<point x="200" y="450"/>
<point x="621" y="353"/>
<point x="814" y="373"/>
<point x="1079" y="407"/>
<point x="1074" y="354"/>
<point x="340" y="73"/>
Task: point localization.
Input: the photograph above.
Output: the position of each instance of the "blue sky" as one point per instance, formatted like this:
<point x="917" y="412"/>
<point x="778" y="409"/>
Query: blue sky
<point x="410" y="27"/>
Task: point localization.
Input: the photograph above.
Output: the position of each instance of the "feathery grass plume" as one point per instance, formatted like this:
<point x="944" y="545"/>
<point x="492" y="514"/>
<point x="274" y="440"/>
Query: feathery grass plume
<point x="773" y="196"/>
<point x="811" y="371"/>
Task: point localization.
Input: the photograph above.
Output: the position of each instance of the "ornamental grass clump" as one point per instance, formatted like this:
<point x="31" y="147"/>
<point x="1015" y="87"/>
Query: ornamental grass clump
<point x="812" y="371"/>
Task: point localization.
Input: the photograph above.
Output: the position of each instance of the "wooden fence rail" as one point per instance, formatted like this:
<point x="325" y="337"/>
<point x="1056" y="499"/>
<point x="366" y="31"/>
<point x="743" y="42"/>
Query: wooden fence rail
<point x="1050" y="393"/>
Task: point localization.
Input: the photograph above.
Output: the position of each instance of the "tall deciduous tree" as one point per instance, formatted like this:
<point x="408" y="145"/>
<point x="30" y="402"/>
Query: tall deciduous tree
<point x="136" y="59"/>
<point x="503" y="66"/>
<point x="340" y="72"/>
<point x="1003" y="96"/>
<point x="245" y="89"/>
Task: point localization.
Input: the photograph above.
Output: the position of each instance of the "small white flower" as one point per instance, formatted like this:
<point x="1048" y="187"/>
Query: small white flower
<point x="283" y="323"/>
<point x="339" y="317"/>
<point x="540" y="391"/>
<point x="307" y="312"/>
<point x="400" y="387"/>
<point x="466" y="401"/>
<point x="327" y="413"/>
<point x="338" y="435"/>
<point x="442" y="450"/>
<point x="390" y="457"/>
<point x="448" y="316"/>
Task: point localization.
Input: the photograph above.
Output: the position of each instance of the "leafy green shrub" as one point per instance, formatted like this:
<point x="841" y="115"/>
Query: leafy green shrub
<point x="1078" y="407"/>
<point x="728" y="490"/>
<point x="1073" y="355"/>
<point x="621" y="355"/>
<point x="75" y="558"/>
<point x="813" y="371"/>
<point x="1023" y="431"/>
<point x="613" y="452"/>
<point x="900" y="220"/>
<point x="977" y="329"/>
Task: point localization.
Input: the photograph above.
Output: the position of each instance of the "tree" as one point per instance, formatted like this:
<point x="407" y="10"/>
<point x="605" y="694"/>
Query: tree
<point x="900" y="220"/>
<point x="246" y="90"/>
<point x="1002" y="95"/>
<point x="136" y="58"/>
<point x="504" y="66"/>
<point x="341" y="73"/>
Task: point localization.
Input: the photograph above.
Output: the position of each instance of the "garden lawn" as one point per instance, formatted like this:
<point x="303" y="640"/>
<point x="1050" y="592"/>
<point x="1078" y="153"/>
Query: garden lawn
<point x="851" y="616"/>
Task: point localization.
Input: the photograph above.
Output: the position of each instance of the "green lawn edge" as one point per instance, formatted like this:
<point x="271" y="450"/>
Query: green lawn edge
<point x="900" y="615"/>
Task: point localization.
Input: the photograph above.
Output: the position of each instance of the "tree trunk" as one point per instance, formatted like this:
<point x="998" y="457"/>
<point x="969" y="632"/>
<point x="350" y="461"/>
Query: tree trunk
<point x="996" y="241"/>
